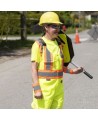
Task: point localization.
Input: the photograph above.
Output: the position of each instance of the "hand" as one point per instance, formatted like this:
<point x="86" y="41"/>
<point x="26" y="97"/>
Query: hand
<point x="38" y="95"/>
<point x="78" y="70"/>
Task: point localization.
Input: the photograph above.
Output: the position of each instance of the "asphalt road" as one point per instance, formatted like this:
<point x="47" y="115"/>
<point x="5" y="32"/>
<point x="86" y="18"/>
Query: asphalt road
<point x="15" y="83"/>
<point x="80" y="91"/>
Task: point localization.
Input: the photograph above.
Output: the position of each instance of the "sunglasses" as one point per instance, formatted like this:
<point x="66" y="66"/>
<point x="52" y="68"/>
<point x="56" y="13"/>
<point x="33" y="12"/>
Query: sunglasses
<point x="54" y="26"/>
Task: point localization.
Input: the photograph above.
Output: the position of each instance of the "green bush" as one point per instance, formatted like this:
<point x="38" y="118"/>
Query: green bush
<point x="10" y="22"/>
<point x="16" y="44"/>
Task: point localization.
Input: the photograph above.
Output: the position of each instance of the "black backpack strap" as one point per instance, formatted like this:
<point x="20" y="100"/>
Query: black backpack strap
<point x="41" y="43"/>
<point x="61" y="40"/>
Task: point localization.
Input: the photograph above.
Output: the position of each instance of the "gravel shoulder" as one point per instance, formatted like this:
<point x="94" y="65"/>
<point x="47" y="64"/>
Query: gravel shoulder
<point x="6" y="55"/>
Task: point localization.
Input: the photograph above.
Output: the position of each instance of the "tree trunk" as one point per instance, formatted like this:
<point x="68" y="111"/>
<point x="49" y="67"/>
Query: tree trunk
<point x="23" y="26"/>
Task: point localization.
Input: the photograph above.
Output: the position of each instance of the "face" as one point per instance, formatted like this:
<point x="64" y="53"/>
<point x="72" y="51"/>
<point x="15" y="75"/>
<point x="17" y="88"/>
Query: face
<point x="52" y="30"/>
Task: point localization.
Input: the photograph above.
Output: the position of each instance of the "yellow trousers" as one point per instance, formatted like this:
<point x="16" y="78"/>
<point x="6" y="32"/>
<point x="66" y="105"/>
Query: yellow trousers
<point x="53" y="95"/>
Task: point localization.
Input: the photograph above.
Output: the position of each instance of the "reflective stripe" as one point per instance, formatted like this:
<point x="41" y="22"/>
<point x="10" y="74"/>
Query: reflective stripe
<point x="50" y="74"/>
<point x="48" y="60"/>
<point x="66" y="70"/>
<point x="37" y="88"/>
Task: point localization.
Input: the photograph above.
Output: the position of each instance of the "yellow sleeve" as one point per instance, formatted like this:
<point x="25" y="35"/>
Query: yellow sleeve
<point x="35" y="53"/>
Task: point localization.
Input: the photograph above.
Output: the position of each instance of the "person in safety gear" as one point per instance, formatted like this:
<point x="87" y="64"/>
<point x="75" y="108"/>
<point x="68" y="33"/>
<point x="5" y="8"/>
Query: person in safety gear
<point x="48" y="66"/>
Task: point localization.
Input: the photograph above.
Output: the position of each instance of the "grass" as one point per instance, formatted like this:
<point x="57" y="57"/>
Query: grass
<point x="15" y="44"/>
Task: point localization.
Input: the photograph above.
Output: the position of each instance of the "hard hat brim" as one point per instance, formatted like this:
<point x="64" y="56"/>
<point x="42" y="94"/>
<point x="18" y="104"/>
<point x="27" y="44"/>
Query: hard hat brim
<point x="41" y="24"/>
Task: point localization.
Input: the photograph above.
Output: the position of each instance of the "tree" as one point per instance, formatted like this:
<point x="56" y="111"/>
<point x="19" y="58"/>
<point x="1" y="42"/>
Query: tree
<point x="23" y="25"/>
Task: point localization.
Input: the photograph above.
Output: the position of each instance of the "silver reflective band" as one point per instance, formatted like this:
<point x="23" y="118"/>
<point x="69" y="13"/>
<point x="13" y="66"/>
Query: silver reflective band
<point x="48" y="58"/>
<point x="37" y="88"/>
<point x="53" y="74"/>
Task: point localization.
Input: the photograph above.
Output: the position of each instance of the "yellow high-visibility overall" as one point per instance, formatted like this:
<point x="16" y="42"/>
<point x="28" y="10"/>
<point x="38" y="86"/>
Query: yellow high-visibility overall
<point x="50" y="73"/>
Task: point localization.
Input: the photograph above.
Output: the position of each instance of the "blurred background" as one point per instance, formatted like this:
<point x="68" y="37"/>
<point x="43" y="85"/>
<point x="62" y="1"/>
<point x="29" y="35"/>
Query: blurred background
<point x="24" y="23"/>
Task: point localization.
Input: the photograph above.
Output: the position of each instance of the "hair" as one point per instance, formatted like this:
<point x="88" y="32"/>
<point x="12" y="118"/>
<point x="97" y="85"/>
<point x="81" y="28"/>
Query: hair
<point x="43" y="28"/>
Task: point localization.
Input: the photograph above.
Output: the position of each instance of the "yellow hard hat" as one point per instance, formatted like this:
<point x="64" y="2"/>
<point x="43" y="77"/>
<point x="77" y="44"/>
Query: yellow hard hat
<point x="49" y="17"/>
